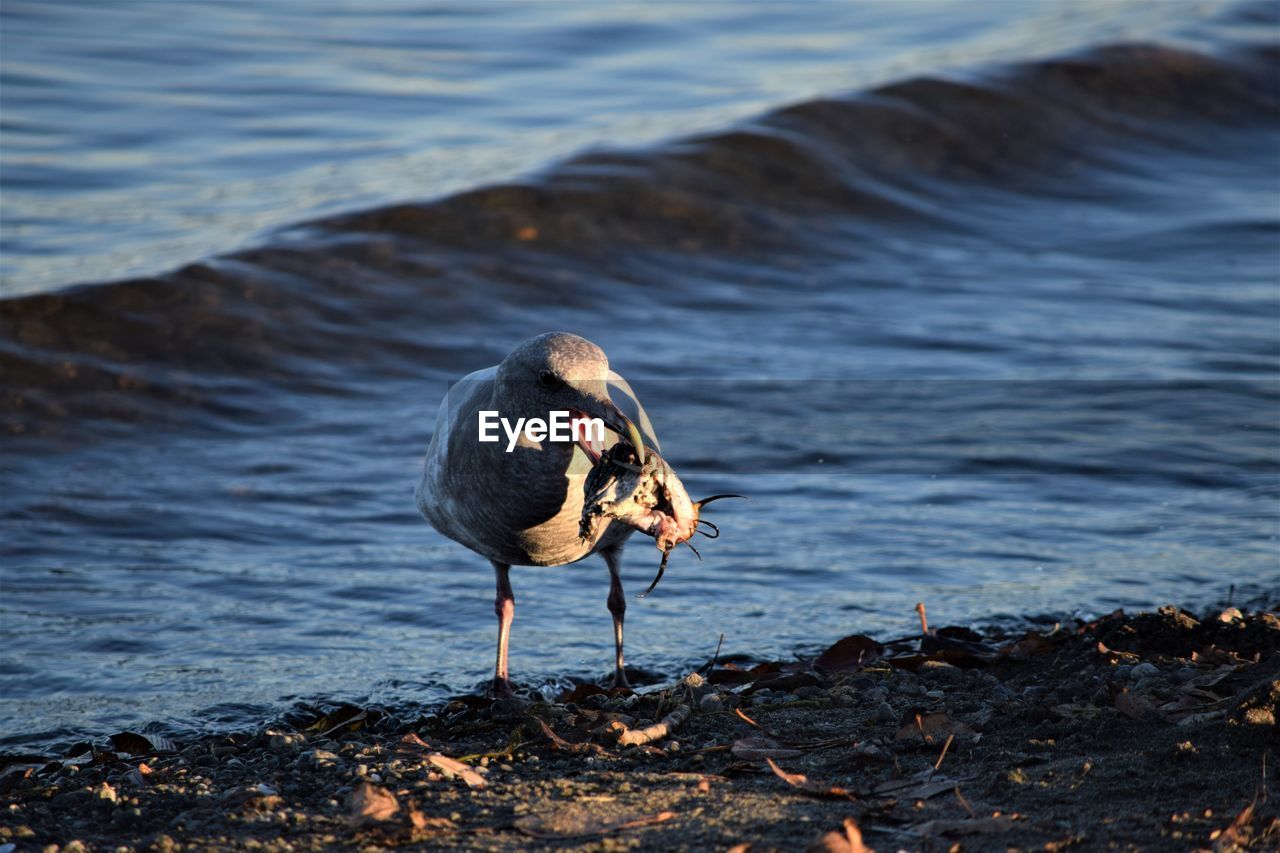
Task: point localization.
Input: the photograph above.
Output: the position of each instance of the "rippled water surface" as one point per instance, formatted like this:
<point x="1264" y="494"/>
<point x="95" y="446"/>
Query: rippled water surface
<point x="971" y="325"/>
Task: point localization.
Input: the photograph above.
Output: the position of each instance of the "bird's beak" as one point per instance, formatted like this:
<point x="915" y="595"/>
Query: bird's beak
<point x="615" y="420"/>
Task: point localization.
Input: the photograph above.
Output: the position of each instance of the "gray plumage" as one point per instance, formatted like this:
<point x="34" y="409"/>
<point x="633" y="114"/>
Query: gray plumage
<point x="523" y="507"/>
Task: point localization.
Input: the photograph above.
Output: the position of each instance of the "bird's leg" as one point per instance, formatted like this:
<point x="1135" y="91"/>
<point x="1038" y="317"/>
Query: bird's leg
<point x="618" y="607"/>
<point x="504" y="605"/>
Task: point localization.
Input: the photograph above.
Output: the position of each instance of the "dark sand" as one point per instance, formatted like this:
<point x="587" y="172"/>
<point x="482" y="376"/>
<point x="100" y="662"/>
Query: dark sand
<point x="1154" y="731"/>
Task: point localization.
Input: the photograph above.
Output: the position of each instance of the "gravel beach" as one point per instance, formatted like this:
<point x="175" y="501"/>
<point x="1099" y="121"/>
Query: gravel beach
<point x="1152" y="731"/>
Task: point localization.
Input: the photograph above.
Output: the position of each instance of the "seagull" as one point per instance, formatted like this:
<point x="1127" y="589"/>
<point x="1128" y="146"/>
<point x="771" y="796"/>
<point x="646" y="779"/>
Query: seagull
<point x="519" y="503"/>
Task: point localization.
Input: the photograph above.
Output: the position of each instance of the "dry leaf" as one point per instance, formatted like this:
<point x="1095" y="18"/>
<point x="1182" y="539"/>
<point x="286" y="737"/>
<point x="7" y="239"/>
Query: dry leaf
<point x="801" y="782"/>
<point x="849" y="654"/>
<point x="1032" y="644"/>
<point x="847" y="841"/>
<point x="1237" y="834"/>
<point x="453" y="767"/>
<point x="760" y="748"/>
<point x="371" y="804"/>
<point x="1219" y="657"/>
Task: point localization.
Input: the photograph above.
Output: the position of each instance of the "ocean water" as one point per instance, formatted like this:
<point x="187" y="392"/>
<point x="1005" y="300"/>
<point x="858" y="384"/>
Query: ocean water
<point x="980" y="304"/>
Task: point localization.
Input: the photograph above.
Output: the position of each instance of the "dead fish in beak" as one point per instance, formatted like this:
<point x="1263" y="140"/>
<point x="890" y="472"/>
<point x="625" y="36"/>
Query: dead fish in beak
<point x="648" y="497"/>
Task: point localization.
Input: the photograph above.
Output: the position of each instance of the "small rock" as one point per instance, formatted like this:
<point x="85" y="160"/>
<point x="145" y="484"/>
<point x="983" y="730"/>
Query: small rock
<point x="1145" y="669"/>
<point x="163" y="844"/>
<point x="1122" y="672"/>
<point x="711" y="703"/>
<point x="808" y="692"/>
<point x="935" y="695"/>
<point x="940" y="670"/>
<point x="1259" y="717"/>
<point x="1231" y="614"/>
<point x="284" y="741"/>
<point x="105" y="792"/>
<point x="509" y="708"/>
<point x="885" y="713"/>
<point x="318" y="758"/>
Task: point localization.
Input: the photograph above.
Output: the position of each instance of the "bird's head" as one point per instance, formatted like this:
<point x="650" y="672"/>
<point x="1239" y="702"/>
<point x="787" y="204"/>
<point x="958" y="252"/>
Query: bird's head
<point x="559" y="371"/>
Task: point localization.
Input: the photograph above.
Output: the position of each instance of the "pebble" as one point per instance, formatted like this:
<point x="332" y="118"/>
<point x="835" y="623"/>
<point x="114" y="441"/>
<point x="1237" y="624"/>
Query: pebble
<point x="808" y="692"/>
<point x="941" y="670"/>
<point x="935" y="695"/>
<point x="886" y="714"/>
<point x="1122" y="672"/>
<point x="710" y="703"/>
<point x="278" y="741"/>
<point x="317" y="758"/>
<point x="1145" y="669"/>
<point x="106" y="792"/>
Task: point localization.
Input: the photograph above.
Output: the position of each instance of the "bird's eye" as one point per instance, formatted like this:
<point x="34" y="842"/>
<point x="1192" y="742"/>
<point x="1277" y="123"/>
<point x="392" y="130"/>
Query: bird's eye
<point x="549" y="380"/>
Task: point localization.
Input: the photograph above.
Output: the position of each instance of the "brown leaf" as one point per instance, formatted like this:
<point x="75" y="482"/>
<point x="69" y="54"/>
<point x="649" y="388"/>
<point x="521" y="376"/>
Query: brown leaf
<point x="1219" y="657"/>
<point x="847" y="841"/>
<point x="801" y="782"/>
<point x="849" y="654"/>
<point x="371" y="804"/>
<point x="1033" y="643"/>
<point x="760" y="748"/>
<point x="419" y="821"/>
<point x="932" y="728"/>
<point x="410" y="742"/>
<point x="1237" y="834"/>
<point x="453" y="767"/>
